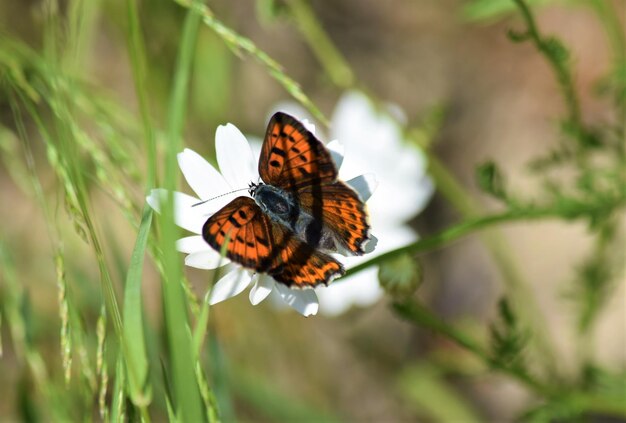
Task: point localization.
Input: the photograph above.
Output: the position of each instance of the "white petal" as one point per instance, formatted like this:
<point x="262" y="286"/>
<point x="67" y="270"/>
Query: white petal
<point x="230" y="285"/>
<point x="192" y="244"/>
<point x="371" y="244"/>
<point x="185" y="215"/>
<point x="364" y="185"/>
<point x="207" y="259"/>
<point x="387" y="239"/>
<point x="361" y="289"/>
<point x="235" y="157"/>
<point x="397" y="201"/>
<point x="201" y="176"/>
<point x="256" y="144"/>
<point x="304" y="301"/>
<point x="337" y="151"/>
<point x="261" y="289"/>
<point x="399" y="167"/>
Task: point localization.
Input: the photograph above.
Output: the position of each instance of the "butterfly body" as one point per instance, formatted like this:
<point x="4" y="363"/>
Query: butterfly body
<point x="277" y="203"/>
<point x="283" y="208"/>
<point x="296" y="216"/>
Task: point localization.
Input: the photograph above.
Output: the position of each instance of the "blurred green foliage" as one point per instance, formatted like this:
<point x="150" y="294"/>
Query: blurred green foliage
<point x="69" y="145"/>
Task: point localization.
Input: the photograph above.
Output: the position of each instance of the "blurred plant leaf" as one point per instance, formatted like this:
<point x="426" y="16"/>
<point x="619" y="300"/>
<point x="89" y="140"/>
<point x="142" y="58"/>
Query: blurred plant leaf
<point x="507" y="339"/>
<point x="221" y="379"/>
<point x="118" y="401"/>
<point x="211" y="91"/>
<point x="490" y="10"/>
<point x="401" y="276"/>
<point x="431" y="397"/>
<point x="491" y="180"/>
<point x="262" y="394"/>
<point x="268" y="11"/>
<point x="597" y="273"/>
<point x="136" y="358"/>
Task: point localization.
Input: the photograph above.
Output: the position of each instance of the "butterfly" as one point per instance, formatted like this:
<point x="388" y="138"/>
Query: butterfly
<point x="298" y="214"/>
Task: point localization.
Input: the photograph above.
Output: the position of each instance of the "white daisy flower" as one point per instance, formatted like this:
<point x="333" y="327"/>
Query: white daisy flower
<point x="374" y="140"/>
<point x="238" y="168"/>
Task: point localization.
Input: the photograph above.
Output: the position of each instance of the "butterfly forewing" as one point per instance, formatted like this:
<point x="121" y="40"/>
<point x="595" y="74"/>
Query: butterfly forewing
<point x="292" y="157"/>
<point x="342" y="211"/>
<point x="249" y="230"/>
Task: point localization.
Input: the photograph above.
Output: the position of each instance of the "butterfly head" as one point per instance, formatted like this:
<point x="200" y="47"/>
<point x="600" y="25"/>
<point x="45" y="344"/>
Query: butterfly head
<point x="252" y="188"/>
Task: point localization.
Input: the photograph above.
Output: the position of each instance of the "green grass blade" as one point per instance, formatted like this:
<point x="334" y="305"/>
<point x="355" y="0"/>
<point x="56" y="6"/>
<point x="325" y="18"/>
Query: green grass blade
<point x="118" y="409"/>
<point x="187" y="400"/>
<point x="240" y="43"/>
<point x="133" y="334"/>
<point x="137" y="54"/>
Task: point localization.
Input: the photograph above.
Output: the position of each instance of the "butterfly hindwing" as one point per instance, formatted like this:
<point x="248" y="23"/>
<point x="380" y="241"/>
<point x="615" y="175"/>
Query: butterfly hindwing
<point x="260" y="244"/>
<point x="292" y="157"/>
<point x="298" y="265"/>
<point x="341" y="211"/>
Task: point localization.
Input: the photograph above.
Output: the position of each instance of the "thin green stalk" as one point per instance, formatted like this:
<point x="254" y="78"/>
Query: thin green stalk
<point x="612" y="25"/>
<point x="136" y="47"/>
<point x="483" y="222"/>
<point x="203" y="319"/>
<point x="413" y="311"/>
<point x="609" y="17"/>
<point x="525" y="303"/>
<point x="329" y="56"/>
<point x="416" y="313"/>
<point x="240" y="43"/>
<point x="133" y="312"/>
<point x="555" y="53"/>
<point x="12" y="301"/>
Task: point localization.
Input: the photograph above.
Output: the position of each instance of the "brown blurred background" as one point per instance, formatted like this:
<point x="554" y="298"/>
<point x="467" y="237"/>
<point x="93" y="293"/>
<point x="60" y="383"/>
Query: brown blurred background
<point x="502" y="103"/>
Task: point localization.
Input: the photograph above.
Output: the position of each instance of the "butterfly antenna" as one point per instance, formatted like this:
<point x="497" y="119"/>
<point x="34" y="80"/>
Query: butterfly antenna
<point x="221" y="195"/>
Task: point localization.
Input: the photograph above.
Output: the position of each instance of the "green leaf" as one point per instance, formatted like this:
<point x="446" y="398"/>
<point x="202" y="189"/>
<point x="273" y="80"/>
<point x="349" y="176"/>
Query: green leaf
<point x="264" y="397"/>
<point x="491" y="180"/>
<point x="508" y="341"/>
<point x="135" y="354"/>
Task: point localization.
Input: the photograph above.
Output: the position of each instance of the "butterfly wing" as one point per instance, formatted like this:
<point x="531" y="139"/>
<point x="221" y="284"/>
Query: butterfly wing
<point x="292" y="157"/>
<point x="298" y="265"/>
<point x="258" y="243"/>
<point x="341" y="211"/>
<point x="249" y="231"/>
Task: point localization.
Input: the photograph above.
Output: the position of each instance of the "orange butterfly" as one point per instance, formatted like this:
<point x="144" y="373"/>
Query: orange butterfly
<point x="298" y="214"/>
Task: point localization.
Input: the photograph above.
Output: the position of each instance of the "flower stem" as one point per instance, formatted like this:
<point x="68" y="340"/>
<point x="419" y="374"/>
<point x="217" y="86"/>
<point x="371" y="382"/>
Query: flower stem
<point x="556" y="55"/>
<point x="334" y="63"/>
<point x="518" y="290"/>
<point x="416" y="313"/>
<point x="475" y="224"/>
